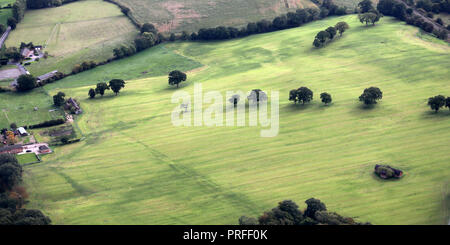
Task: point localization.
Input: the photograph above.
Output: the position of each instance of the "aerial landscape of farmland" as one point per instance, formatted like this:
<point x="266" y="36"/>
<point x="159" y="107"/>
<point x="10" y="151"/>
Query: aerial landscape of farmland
<point x="357" y="94"/>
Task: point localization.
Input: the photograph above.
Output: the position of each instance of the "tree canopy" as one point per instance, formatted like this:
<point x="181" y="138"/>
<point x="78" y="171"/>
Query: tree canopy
<point x="26" y="82"/>
<point x="176" y="77"/>
<point x="116" y="85"/>
<point x="437" y="102"/>
<point x="371" y="95"/>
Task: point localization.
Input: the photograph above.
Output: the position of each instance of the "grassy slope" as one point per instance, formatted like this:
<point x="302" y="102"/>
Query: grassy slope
<point x="19" y="107"/>
<point x="136" y="168"/>
<point x="75" y="32"/>
<point x="176" y="15"/>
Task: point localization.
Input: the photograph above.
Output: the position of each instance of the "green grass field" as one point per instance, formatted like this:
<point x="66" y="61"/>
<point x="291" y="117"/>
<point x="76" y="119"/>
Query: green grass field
<point x="27" y="158"/>
<point x="19" y="108"/>
<point x="134" y="167"/>
<point x="74" y="33"/>
<point x="177" y="15"/>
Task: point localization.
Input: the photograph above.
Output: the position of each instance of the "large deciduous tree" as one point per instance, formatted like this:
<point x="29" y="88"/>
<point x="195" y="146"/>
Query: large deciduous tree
<point x="26" y="82"/>
<point x="58" y="99"/>
<point x="371" y="95"/>
<point x="436" y="102"/>
<point x="116" y="85"/>
<point x="342" y="27"/>
<point x="176" y="77"/>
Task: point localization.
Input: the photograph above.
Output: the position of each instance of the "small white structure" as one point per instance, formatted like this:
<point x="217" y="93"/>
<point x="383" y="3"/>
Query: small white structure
<point x="22" y="131"/>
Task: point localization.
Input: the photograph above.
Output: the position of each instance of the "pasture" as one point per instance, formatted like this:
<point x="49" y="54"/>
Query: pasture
<point x="190" y="16"/>
<point x="73" y="33"/>
<point x="135" y="167"/>
<point x="19" y="108"/>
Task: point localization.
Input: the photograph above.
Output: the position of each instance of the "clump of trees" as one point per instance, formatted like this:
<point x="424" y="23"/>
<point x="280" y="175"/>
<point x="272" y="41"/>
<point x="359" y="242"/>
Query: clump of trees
<point x="439" y="101"/>
<point x="289" y="20"/>
<point x="176" y="77"/>
<point x="288" y="213"/>
<point x="86" y="65"/>
<point x="387" y="172"/>
<point x="324" y="37"/>
<point x="371" y="95"/>
<point x="115" y="85"/>
<point x="13" y="196"/>
<point x="302" y="94"/>
<point x="25" y="82"/>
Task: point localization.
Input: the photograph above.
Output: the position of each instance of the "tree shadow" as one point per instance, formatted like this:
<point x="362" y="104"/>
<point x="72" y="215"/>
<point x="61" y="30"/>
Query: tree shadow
<point x="298" y="107"/>
<point x="432" y="114"/>
<point x="174" y="88"/>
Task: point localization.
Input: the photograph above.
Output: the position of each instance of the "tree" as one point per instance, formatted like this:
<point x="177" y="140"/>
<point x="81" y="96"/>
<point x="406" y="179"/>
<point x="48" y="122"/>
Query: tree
<point x="145" y="40"/>
<point x="286" y="213"/>
<point x="342" y="27"/>
<point x="13" y="126"/>
<point x="365" y="6"/>
<point x="12" y="22"/>
<point x="148" y="27"/>
<point x="371" y="95"/>
<point x="92" y="93"/>
<point x="369" y="17"/>
<point x="116" y="85"/>
<point x="26" y="82"/>
<point x="13" y="53"/>
<point x="10" y="172"/>
<point x="332" y="31"/>
<point x="244" y="220"/>
<point x="235" y="99"/>
<point x="293" y="96"/>
<point x="326" y="98"/>
<point x="436" y="102"/>
<point x="101" y="88"/>
<point x="184" y="36"/>
<point x="58" y="99"/>
<point x="304" y="94"/>
<point x="321" y="38"/>
<point x="257" y="95"/>
<point x="176" y="77"/>
<point x="314" y="205"/>
<point x="447" y="102"/>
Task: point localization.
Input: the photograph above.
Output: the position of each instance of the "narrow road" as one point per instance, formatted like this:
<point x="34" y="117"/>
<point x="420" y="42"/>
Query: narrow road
<point x="4" y="36"/>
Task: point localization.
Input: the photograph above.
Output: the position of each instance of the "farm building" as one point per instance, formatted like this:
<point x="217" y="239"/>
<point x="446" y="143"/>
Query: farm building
<point x="44" y="149"/>
<point x="27" y="53"/>
<point x="11" y="149"/>
<point x="22" y="131"/>
<point x="46" y="76"/>
<point x="74" y="104"/>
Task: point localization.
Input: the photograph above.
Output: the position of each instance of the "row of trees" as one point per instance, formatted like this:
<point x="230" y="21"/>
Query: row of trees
<point x="38" y="4"/>
<point x="402" y="12"/>
<point x="289" y="20"/>
<point x="288" y="213"/>
<point x="115" y="85"/>
<point x="439" y="101"/>
<point x="305" y="95"/>
<point x="13" y="196"/>
<point x="324" y="37"/>
<point x="435" y="6"/>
